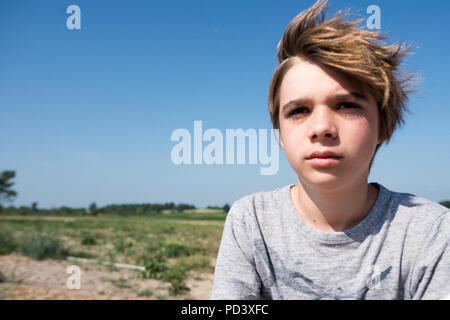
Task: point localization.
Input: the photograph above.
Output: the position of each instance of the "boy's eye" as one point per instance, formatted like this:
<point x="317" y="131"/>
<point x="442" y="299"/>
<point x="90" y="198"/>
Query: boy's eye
<point x="345" y="105"/>
<point x="297" y="111"/>
<point x="348" y="105"/>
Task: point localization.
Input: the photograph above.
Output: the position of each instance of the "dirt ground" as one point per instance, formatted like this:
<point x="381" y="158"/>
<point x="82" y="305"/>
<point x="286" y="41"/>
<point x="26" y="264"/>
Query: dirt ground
<point x="27" y="279"/>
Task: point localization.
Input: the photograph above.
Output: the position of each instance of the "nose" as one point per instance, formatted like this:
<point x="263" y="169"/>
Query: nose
<point x="322" y="124"/>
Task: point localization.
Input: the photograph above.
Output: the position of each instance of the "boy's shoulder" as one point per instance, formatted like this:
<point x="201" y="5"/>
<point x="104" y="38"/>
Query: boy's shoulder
<point x="260" y="207"/>
<point x="420" y="211"/>
<point x="265" y="195"/>
<point x="413" y="203"/>
<point x="402" y="204"/>
<point x="263" y="199"/>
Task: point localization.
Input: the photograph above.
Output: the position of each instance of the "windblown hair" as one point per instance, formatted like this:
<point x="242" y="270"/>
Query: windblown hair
<point x="340" y="46"/>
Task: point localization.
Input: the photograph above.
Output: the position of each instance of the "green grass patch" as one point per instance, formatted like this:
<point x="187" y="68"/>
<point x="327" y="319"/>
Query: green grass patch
<point x="7" y="242"/>
<point x="155" y="267"/>
<point x="144" y="293"/>
<point x="88" y="239"/>
<point x="175" y="275"/>
<point x="175" y="250"/>
<point x="41" y="247"/>
<point x="120" y="283"/>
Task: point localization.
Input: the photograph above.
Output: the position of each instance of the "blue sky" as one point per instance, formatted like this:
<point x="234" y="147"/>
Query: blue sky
<point x="87" y="115"/>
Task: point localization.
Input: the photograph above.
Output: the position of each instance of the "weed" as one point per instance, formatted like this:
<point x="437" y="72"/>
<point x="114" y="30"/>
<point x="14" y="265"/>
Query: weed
<point x="175" y="276"/>
<point x="88" y="240"/>
<point x="196" y="263"/>
<point x="121" y="283"/>
<point x="174" y="250"/>
<point x="122" y="244"/>
<point x="144" y="293"/>
<point x="81" y="254"/>
<point x="8" y="283"/>
<point x="7" y="242"/>
<point x="155" y="267"/>
<point x="41" y="247"/>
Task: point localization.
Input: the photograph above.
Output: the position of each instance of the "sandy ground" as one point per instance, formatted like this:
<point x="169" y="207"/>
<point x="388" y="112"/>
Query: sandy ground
<point x="27" y="279"/>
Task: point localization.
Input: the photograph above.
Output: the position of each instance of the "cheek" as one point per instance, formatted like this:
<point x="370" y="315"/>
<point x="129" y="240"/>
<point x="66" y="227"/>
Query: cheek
<point x="360" y="139"/>
<point x="295" y="144"/>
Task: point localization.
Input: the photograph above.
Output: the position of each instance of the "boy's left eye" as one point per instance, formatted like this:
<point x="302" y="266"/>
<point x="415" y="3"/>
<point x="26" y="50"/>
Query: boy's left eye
<point x="348" y="105"/>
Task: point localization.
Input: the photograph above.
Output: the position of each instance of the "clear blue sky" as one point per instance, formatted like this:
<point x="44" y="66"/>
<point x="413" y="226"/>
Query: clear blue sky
<point x="86" y="115"/>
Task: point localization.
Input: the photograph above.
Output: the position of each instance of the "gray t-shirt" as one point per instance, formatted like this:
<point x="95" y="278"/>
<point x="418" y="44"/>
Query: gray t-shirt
<point x="401" y="250"/>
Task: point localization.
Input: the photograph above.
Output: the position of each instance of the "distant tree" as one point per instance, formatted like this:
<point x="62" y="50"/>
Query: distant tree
<point x="6" y="193"/>
<point x="65" y="210"/>
<point x="445" y="203"/>
<point x="226" y="208"/>
<point x="34" y="207"/>
<point x="24" y="210"/>
<point x="93" y="209"/>
<point x="169" y="205"/>
<point x="183" y="206"/>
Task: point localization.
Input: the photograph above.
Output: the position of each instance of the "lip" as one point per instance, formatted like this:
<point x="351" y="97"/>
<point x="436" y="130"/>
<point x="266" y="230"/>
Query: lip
<point x="323" y="154"/>
<point x="323" y="162"/>
<point x="322" y="159"/>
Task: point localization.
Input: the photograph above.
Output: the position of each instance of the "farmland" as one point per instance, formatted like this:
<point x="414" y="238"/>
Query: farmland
<point x="177" y="249"/>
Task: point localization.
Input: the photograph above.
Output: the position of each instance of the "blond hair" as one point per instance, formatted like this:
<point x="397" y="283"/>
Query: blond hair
<point x="341" y="46"/>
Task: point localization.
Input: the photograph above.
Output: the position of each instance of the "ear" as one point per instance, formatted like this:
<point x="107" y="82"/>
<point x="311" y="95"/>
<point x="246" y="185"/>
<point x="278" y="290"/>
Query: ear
<point x="279" y="138"/>
<point x="281" y="144"/>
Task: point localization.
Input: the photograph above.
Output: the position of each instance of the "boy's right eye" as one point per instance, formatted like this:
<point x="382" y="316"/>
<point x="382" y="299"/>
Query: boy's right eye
<point x="297" y="111"/>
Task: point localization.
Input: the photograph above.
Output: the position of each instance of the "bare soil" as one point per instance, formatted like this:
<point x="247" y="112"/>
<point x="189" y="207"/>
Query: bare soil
<point x="28" y="279"/>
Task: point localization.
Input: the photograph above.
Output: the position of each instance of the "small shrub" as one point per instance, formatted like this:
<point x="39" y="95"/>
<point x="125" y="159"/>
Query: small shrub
<point x="155" y="267"/>
<point x="41" y="247"/>
<point x="196" y="263"/>
<point x="175" y="276"/>
<point x="88" y="240"/>
<point x="175" y="250"/>
<point x="7" y="242"/>
<point x="81" y="254"/>
<point x="2" y="277"/>
<point x="121" y="283"/>
<point x="122" y="244"/>
<point x="144" y="293"/>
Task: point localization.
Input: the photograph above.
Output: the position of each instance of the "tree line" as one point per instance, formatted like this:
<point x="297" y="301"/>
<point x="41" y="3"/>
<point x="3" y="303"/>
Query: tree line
<point x="7" y="194"/>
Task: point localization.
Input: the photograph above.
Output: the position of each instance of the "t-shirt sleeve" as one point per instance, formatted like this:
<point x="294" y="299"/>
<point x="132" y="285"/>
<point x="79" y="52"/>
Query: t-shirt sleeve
<point x="235" y="276"/>
<point x="431" y="273"/>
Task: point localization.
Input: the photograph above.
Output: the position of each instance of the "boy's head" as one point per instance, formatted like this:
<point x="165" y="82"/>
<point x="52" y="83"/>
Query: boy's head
<point x="319" y="59"/>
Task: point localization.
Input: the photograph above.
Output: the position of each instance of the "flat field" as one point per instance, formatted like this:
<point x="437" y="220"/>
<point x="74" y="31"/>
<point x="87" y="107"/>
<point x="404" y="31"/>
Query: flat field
<point x="177" y="250"/>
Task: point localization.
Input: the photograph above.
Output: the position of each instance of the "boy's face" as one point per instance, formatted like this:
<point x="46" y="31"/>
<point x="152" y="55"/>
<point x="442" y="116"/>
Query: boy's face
<point x="324" y="122"/>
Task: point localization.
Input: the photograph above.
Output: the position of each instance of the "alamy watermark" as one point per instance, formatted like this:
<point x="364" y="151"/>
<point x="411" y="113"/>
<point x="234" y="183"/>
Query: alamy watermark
<point x="74" y="280"/>
<point x="222" y="152"/>
<point x="374" y="21"/>
<point x="74" y="20"/>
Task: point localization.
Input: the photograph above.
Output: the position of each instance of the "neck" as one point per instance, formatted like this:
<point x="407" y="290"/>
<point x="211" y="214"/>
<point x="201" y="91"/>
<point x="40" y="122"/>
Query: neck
<point x="334" y="209"/>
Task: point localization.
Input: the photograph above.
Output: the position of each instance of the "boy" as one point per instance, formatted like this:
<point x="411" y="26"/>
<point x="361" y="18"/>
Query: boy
<point x="334" y="99"/>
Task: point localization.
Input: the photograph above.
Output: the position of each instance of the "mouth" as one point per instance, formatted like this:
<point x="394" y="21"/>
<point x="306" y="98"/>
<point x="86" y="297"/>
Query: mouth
<point x="331" y="157"/>
<point x="322" y="162"/>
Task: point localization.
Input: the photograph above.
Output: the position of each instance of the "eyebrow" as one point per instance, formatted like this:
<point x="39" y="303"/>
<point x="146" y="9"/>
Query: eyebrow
<point x="340" y="96"/>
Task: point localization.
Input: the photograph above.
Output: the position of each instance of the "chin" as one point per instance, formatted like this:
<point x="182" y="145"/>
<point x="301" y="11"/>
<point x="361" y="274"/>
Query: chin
<point x="322" y="178"/>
